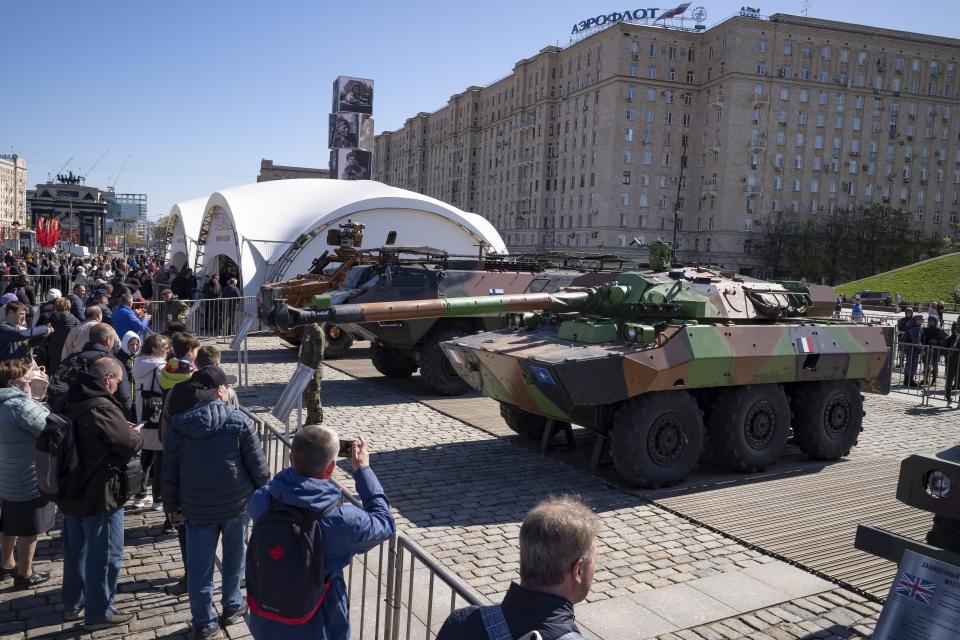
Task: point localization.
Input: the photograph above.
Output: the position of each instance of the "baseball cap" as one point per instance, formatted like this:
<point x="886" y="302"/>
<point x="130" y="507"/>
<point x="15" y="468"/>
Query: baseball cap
<point x="8" y="297"/>
<point x="211" y="377"/>
<point x="53" y="294"/>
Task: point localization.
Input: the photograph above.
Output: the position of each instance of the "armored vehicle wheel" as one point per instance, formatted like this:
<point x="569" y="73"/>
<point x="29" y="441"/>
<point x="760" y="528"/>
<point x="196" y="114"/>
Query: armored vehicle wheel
<point x="827" y="418"/>
<point x="338" y="342"/>
<point x="392" y="363"/>
<point x="749" y="426"/>
<point x="529" y="425"/>
<point x="435" y="368"/>
<point x="657" y="438"/>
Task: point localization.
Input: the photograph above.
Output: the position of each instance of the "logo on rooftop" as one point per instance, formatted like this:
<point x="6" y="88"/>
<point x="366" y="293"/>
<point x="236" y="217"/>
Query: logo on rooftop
<point x="640" y="16"/>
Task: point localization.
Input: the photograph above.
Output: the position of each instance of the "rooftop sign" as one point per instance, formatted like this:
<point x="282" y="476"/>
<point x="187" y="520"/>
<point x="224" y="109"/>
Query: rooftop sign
<point x="634" y="15"/>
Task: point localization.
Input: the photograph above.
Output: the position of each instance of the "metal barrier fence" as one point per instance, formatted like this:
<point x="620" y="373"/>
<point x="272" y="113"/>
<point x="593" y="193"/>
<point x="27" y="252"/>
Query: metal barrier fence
<point x="210" y="318"/>
<point x="407" y="597"/>
<point x="917" y="370"/>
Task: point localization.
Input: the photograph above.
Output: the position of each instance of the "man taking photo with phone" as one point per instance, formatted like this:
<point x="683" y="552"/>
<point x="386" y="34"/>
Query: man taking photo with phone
<point x="295" y="585"/>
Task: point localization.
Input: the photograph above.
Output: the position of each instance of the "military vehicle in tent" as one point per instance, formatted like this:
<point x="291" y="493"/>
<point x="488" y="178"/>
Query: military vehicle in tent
<point x="662" y="362"/>
<point x="400" y="347"/>
<point x="326" y="272"/>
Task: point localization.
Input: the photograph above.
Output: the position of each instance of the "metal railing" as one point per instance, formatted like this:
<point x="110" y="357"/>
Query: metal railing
<point x="208" y="318"/>
<point x="925" y="371"/>
<point x="385" y="602"/>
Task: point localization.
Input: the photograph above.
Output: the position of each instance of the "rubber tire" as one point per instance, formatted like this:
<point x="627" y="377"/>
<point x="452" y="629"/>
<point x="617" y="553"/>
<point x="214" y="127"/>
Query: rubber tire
<point x="336" y="347"/>
<point x="633" y="421"/>
<point x="391" y="362"/>
<point x="524" y="423"/>
<point x="726" y="426"/>
<point x="810" y="402"/>
<point x="435" y="368"/>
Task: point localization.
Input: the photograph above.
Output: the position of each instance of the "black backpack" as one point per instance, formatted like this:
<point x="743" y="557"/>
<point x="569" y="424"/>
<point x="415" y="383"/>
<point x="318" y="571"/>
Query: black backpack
<point x="60" y="474"/>
<point x="286" y="580"/>
<point x="67" y="374"/>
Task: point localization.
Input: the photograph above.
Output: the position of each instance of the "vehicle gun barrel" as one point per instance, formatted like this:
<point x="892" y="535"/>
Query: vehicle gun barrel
<point x="322" y="311"/>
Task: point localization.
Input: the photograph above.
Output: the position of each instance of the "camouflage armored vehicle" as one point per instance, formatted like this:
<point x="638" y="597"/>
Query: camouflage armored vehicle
<point x="928" y="482"/>
<point x="326" y="272"/>
<point x="400" y="347"/>
<point x="664" y="362"/>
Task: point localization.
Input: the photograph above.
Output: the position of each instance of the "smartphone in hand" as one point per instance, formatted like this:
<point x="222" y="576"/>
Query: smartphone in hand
<point x="346" y="448"/>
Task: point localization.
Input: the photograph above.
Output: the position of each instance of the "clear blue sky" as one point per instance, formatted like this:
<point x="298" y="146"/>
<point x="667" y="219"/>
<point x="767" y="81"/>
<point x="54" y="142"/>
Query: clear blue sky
<point x="196" y="92"/>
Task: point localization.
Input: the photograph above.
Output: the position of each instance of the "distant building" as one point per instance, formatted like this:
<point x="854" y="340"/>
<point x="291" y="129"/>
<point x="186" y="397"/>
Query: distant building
<point x="126" y="213"/>
<point x="13" y="192"/>
<point x="81" y="209"/>
<point x="270" y="171"/>
<point x="791" y="119"/>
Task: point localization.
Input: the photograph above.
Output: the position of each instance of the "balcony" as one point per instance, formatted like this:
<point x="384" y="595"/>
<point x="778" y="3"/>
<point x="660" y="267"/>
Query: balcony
<point x="760" y="99"/>
<point x="716" y="101"/>
<point x="715" y="147"/>
<point x="757" y="143"/>
<point x="752" y="189"/>
<point x="710" y="188"/>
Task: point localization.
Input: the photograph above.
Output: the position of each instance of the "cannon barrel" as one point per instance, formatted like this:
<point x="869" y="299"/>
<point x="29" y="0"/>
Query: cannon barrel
<point x="321" y="311"/>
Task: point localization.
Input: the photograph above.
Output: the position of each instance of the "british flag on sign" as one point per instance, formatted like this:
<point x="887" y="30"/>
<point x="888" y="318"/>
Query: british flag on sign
<point x="915" y="588"/>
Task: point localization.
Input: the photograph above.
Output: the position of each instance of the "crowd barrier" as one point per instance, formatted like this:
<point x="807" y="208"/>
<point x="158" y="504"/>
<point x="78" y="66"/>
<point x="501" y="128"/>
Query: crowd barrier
<point x="219" y="318"/>
<point x="930" y="369"/>
<point x="396" y="590"/>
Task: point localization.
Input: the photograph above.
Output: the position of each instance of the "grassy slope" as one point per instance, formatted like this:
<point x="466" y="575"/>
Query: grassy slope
<point x="928" y="280"/>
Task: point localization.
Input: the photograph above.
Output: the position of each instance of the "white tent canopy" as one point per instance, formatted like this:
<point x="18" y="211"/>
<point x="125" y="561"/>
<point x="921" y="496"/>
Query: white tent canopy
<point x="182" y="232"/>
<point x="274" y="230"/>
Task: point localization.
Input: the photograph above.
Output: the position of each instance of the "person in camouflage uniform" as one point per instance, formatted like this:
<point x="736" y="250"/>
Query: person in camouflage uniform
<point x="312" y="345"/>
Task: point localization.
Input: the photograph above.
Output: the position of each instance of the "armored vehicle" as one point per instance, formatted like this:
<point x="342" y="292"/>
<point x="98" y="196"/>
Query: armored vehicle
<point x="930" y="482"/>
<point x="326" y="272"/>
<point x="662" y="362"/>
<point x="399" y="347"/>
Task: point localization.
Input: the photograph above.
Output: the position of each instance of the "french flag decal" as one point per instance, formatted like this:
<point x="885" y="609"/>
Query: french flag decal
<point x="804" y="345"/>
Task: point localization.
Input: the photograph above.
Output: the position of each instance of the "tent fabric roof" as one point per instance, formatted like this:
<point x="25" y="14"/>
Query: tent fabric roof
<point x="190" y="213"/>
<point x="308" y="202"/>
<point x="269" y="216"/>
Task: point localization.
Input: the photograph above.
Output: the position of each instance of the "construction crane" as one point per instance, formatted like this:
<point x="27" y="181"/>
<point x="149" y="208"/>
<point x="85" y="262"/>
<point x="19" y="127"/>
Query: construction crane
<point x="113" y="185"/>
<point x="60" y="170"/>
<point x="94" y="165"/>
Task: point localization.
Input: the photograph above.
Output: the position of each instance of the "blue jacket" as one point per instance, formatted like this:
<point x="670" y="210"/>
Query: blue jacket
<point x="15" y="342"/>
<point x="125" y="319"/>
<point x="21" y="421"/>
<point x="212" y="462"/>
<point x="347" y="531"/>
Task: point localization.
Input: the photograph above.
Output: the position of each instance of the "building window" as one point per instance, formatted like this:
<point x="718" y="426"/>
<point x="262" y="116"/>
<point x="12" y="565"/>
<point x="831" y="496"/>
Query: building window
<point x="626" y="177"/>
<point x="627" y="157"/>
<point x="625" y="199"/>
<point x="628" y="137"/>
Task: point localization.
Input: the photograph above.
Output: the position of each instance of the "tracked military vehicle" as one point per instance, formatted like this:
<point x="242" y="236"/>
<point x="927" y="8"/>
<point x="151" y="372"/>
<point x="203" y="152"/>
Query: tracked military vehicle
<point x="665" y="362"/>
<point x="327" y="272"/>
<point x="400" y="347"/>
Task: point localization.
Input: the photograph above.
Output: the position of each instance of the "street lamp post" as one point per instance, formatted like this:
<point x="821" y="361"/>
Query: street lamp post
<point x="676" y="204"/>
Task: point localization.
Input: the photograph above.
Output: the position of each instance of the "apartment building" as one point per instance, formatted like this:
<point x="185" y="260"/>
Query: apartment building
<point x="13" y="191"/>
<point x="789" y="116"/>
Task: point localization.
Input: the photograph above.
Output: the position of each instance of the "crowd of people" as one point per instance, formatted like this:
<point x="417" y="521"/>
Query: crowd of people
<point x="924" y="346"/>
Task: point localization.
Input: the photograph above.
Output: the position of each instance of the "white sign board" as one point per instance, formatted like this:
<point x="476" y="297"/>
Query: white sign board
<point x="923" y="603"/>
<point x="292" y="392"/>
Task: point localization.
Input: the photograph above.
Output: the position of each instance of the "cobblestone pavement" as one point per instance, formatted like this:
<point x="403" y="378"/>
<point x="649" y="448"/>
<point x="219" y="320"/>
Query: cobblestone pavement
<point x="460" y="493"/>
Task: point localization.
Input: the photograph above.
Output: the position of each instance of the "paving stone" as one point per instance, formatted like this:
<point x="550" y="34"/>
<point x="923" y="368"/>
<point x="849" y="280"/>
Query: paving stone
<point x="684" y="606"/>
